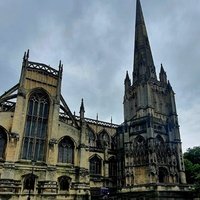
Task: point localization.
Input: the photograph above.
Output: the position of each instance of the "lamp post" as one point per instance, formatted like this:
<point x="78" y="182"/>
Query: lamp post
<point x="31" y="179"/>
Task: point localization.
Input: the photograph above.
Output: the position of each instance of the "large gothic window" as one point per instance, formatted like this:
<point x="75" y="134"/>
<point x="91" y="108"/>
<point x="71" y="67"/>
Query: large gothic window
<point x="3" y="141"/>
<point x="95" y="166"/>
<point x="66" y="150"/>
<point x="34" y="141"/>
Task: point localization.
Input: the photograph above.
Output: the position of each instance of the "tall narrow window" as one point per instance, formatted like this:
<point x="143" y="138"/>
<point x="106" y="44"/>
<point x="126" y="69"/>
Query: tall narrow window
<point x="92" y="138"/>
<point x="3" y="141"/>
<point x="29" y="182"/>
<point x="112" y="167"/>
<point x="66" y="151"/>
<point x="95" y="166"/>
<point x="104" y="139"/>
<point x="163" y="175"/>
<point x="34" y="141"/>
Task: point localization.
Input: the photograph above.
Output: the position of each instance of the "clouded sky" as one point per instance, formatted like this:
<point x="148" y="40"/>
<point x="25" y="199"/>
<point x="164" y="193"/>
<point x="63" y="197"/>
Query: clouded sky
<point x="94" y="40"/>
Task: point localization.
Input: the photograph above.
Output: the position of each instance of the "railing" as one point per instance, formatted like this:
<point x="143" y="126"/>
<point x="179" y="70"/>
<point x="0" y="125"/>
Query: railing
<point x="42" y="67"/>
<point x="65" y="118"/>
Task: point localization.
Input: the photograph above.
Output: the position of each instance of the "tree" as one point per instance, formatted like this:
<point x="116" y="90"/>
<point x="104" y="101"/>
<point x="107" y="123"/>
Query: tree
<point x="192" y="167"/>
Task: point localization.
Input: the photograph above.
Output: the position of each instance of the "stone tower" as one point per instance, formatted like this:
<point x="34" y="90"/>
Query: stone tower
<point x="149" y="141"/>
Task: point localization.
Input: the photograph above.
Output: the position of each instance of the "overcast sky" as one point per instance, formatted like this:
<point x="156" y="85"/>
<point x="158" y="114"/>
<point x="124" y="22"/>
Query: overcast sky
<point x="94" y="40"/>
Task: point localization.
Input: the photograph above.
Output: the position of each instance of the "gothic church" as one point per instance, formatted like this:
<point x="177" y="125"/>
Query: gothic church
<point x="47" y="152"/>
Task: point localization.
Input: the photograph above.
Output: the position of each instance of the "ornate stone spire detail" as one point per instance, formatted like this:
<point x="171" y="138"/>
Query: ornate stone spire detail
<point x="144" y="68"/>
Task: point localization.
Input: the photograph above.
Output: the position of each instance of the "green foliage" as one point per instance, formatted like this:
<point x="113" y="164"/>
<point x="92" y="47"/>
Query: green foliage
<point x="193" y="155"/>
<point x="192" y="167"/>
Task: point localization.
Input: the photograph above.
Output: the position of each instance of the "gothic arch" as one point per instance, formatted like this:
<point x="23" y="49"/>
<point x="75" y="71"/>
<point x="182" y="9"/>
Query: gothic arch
<point x="112" y="166"/>
<point x="29" y="181"/>
<point x="66" y="150"/>
<point x="114" y="142"/>
<point x="39" y="89"/>
<point x="139" y="140"/>
<point x="3" y="142"/>
<point x="163" y="175"/>
<point x="64" y="183"/>
<point x="159" y="140"/>
<point x="91" y="137"/>
<point x="95" y="164"/>
<point x="36" y="126"/>
<point x="104" y="138"/>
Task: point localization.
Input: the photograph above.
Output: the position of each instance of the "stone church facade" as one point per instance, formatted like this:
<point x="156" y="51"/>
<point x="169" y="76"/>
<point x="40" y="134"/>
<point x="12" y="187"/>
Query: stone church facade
<point x="47" y="152"/>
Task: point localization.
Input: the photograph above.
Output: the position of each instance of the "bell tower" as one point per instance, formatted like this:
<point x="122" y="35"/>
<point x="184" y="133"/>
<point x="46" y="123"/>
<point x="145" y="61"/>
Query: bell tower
<point x="149" y="140"/>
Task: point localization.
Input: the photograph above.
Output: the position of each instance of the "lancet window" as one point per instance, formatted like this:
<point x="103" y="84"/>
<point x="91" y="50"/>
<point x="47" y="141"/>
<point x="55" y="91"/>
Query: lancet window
<point x="3" y="141"/>
<point x="104" y="139"/>
<point x="95" y="166"/>
<point x="112" y="167"/>
<point x="66" y="150"/>
<point x="92" y="138"/>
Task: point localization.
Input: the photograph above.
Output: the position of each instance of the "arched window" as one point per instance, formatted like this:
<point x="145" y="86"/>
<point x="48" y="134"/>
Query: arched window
<point x="64" y="182"/>
<point x="34" y="141"/>
<point x="139" y="140"/>
<point x="112" y="167"/>
<point x="29" y="182"/>
<point x="92" y="138"/>
<point x="159" y="140"/>
<point x="104" y="139"/>
<point x="95" y="166"/>
<point x="114" y="143"/>
<point x="3" y="142"/>
<point x="66" y="150"/>
<point x="163" y="175"/>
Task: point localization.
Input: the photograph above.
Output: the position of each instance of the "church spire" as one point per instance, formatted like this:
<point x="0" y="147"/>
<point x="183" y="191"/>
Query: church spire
<point x="144" y="68"/>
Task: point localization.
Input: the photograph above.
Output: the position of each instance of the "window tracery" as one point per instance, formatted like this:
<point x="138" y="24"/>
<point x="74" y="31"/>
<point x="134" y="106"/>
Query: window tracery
<point x="66" y="150"/>
<point x="104" y="139"/>
<point x="92" y="138"/>
<point x="34" y="141"/>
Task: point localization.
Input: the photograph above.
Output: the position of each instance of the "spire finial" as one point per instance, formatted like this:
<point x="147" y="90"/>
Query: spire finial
<point x="82" y="109"/>
<point x="161" y="68"/>
<point x="60" y="66"/>
<point x="127" y="81"/>
<point x="162" y="75"/>
<point x="27" y="55"/>
<point x="24" y="58"/>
